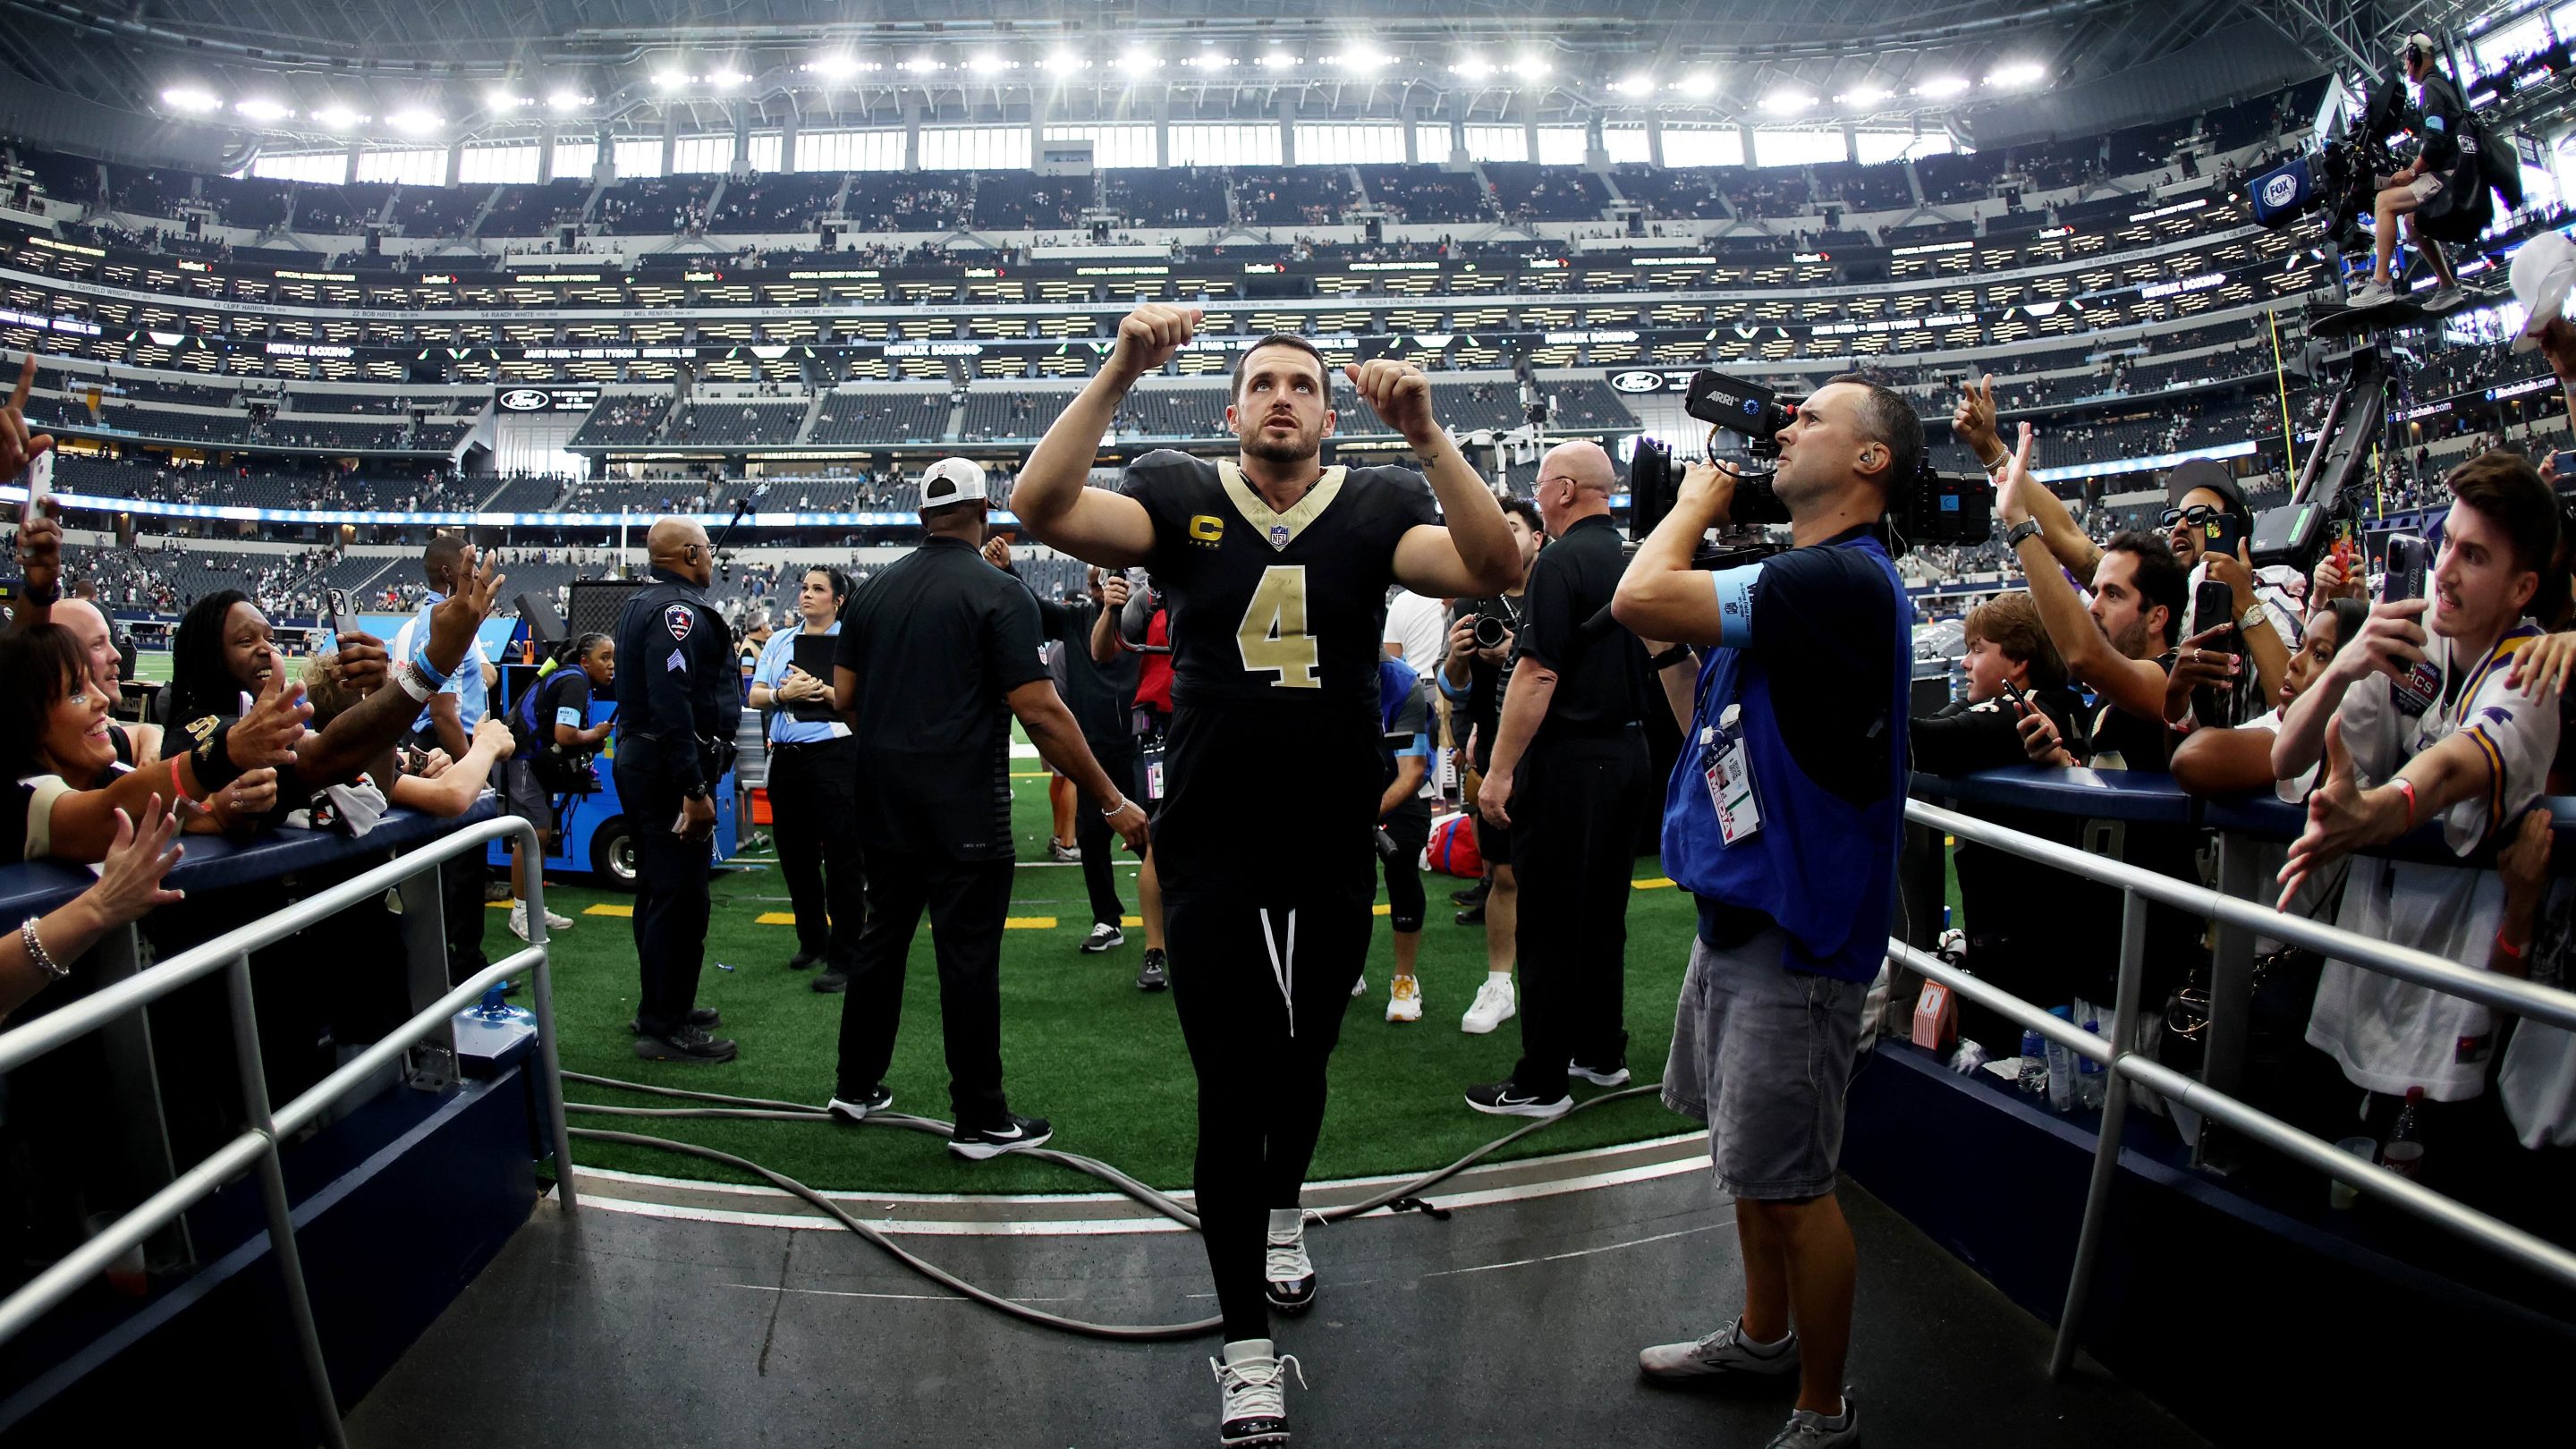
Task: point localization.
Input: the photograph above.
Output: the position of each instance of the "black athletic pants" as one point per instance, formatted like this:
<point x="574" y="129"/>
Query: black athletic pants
<point x="967" y="900"/>
<point x="1260" y="993"/>
<point x="813" y="809"/>
<point x="1091" y="829"/>
<point x="671" y="904"/>
<point x="1409" y="826"/>
<point x="1575" y="807"/>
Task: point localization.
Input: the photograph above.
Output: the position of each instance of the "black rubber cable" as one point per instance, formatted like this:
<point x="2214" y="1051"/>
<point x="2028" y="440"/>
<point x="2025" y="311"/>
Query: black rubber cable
<point x="770" y="1109"/>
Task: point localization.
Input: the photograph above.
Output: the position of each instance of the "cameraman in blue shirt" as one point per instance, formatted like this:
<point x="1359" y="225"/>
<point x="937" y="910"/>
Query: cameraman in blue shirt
<point x="1782" y="819"/>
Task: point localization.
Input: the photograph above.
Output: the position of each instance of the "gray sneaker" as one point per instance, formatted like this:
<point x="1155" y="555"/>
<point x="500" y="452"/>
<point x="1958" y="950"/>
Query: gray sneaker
<point x="1808" y="1429"/>
<point x="2443" y="299"/>
<point x="1724" y="1359"/>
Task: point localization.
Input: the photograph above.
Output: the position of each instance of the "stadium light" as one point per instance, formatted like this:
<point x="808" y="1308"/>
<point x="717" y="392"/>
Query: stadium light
<point x="1210" y="60"/>
<point x="1699" y="85"/>
<point x="1063" y="62"/>
<point x="669" y="80"/>
<point x="2013" y="77"/>
<point x="502" y="98"/>
<point x="1638" y="84"/>
<point x="1362" y="59"/>
<point x="918" y="65"/>
<point x="985" y="62"/>
<point x="1940" y="86"/>
<point x="1864" y="96"/>
<point x="1474" y="67"/>
<point x="833" y="67"/>
<point x="725" y="80"/>
<point x="1529" y="67"/>
<point x="1277" y="60"/>
<point x="337" y="118"/>
<point x="188" y="98"/>
<point x="567" y="100"/>
<point x="260" y="108"/>
<point x="415" y="122"/>
<point x="1787" y="103"/>
<point x="1139" y="61"/>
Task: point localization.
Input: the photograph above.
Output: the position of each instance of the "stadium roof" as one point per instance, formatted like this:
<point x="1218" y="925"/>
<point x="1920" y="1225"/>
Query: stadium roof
<point x="474" y="65"/>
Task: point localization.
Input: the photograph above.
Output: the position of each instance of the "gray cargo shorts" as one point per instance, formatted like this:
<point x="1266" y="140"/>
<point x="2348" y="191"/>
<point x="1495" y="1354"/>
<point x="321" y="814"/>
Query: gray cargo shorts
<point x="1763" y="1055"/>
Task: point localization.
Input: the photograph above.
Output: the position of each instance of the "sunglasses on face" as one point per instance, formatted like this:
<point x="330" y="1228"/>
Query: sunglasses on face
<point x="2197" y="513"/>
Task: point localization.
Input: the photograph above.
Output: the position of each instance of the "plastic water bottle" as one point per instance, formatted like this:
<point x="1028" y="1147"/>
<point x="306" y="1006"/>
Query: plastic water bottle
<point x="2403" y="1152"/>
<point x="2091" y="1081"/>
<point x="2034" y="1065"/>
<point x="2061" y="1068"/>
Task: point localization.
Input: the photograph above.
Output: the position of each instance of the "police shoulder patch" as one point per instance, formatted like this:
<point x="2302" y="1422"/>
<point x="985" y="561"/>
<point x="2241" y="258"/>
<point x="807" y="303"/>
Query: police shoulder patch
<point x="679" y="619"/>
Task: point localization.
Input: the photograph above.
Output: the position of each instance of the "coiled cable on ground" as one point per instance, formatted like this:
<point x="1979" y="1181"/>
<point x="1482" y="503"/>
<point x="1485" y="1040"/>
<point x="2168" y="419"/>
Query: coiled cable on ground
<point x="771" y="1109"/>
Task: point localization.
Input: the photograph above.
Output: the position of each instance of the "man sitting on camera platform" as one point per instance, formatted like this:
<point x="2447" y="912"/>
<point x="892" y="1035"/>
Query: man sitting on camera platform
<point x="1782" y="818"/>
<point x="2444" y="174"/>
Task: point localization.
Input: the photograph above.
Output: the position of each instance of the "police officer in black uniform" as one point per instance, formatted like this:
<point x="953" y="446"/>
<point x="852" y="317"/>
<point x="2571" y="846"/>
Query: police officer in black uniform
<point x="679" y="699"/>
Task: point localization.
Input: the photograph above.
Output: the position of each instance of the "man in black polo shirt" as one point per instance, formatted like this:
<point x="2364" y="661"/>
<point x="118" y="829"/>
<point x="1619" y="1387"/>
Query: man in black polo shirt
<point x="1571" y="779"/>
<point x="936" y="654"/>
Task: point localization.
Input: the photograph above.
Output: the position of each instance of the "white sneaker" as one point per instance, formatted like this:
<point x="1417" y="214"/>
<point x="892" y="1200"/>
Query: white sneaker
<point x="1724" y="1358"/>
<point x="2370" y="294"/>
<point x="1252" y="1393"/>
<point x="519" y="919"/>
<point x="1496" y="1002"/>
<point x="1359" y="988"/>
<point x="558" y="923"/>
<point x="1808" y="1429"/>
<point x="2443" y="299"/>
<point x="1063" y="854"/>
<point x="1288" y="1275"/>
<point x="1404" y="1000"/>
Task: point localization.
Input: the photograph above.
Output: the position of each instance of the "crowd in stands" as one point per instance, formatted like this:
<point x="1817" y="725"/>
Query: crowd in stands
<point x="1422" y="193"/>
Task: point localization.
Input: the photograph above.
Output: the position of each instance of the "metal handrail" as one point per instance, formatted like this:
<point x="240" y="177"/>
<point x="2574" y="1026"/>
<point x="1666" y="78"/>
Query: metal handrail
<point x="257" y="1149"/>
<point x="2504" y="993"/>
<point x="2126" y="1065"/>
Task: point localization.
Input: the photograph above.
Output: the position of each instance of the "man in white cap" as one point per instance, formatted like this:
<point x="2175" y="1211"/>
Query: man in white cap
<point x="2443" y="174"/>
<point x="936" y="654"/>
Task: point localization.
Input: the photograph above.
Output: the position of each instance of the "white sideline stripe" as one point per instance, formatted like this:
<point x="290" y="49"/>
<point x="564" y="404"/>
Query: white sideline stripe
<point x="1078" y="1229"/>
<point x="1390" y="1179"/>
<point x="1112" y="1227"/>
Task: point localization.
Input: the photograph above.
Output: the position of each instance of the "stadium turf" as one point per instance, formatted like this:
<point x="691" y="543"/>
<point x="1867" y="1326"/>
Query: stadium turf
<point x="1080" y="1044"/>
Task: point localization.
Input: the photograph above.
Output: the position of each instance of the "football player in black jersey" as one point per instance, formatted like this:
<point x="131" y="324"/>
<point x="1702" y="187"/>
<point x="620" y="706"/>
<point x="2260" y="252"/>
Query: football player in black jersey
<point x="1275" y="569"/>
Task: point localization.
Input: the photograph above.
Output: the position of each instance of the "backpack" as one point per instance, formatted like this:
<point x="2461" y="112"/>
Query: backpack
<point x="1452" y="850"/>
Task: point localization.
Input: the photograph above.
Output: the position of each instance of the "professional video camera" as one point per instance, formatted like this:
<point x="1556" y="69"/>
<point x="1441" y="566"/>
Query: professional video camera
<point x="2340" y="177"/>
<point x="1930" y="507"/>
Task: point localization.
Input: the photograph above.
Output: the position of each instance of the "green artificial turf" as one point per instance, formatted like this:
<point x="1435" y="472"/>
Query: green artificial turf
<point x="1080" y="1044"/>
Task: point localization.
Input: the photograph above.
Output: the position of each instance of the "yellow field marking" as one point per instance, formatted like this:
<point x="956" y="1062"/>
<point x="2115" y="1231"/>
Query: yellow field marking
<point x="1028" y="923"/>
<point x="1031" y="774"/>
<point x="1380" y="910"/>
<point x="1657" y="884"/>
<point x="774" y="918"/>
<point x="605" y="909"/>
<point x="1131" y="920"/>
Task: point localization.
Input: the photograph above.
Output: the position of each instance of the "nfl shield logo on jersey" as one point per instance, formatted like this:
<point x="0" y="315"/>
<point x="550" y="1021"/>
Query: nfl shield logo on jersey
<point x="1278" y="535"/>
<point x="679" y="620"/>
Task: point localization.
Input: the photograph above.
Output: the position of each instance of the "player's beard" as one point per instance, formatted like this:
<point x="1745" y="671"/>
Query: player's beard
<point x="1257" y="444"/>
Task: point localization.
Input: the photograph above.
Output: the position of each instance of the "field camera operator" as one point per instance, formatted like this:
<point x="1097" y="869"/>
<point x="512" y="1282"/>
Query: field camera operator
<point x="2445" y="173"/>
<point x="1783" y="818"/>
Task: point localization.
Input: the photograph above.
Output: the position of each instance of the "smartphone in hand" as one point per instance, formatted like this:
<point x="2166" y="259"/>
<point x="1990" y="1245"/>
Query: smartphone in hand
<point x="2405" y="576"/>
<point x="2212" y="604"/>
<point x="40" y="482"/>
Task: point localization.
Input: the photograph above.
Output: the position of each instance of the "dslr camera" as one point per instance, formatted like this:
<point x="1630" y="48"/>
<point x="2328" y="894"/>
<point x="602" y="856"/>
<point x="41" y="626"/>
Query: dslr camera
<point x="1929" y="507"/>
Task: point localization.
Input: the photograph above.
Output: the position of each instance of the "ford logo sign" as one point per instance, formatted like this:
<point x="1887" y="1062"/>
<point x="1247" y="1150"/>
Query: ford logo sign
<point x="1639" y="381"/>
<point x="2281" y="190"/>
<point x="526" y="400"/>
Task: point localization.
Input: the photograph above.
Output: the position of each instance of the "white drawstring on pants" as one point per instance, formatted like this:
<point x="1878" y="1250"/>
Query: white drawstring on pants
<point x="1283" y="969"/>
